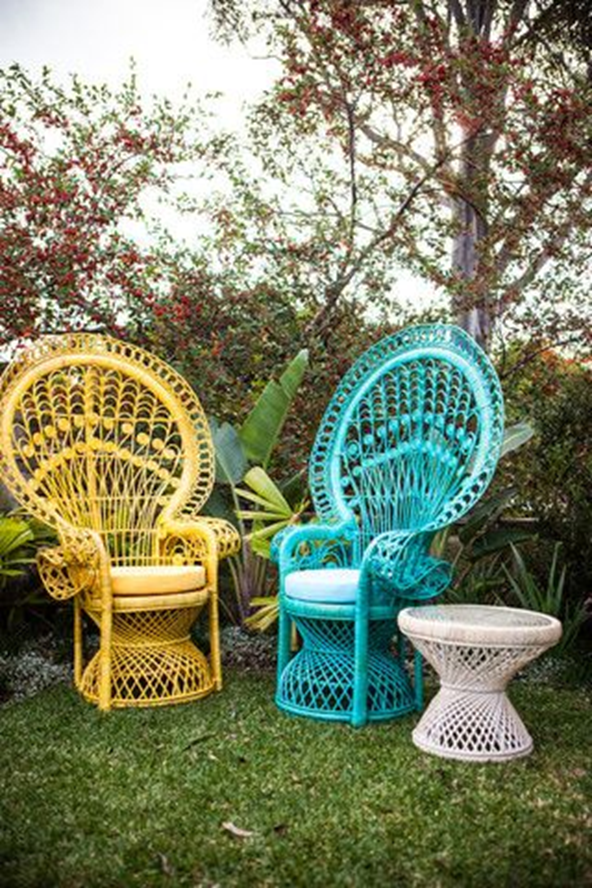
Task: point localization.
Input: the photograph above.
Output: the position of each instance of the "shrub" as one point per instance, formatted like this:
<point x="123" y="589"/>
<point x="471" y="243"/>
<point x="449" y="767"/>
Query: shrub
<point x="554" y="473"/>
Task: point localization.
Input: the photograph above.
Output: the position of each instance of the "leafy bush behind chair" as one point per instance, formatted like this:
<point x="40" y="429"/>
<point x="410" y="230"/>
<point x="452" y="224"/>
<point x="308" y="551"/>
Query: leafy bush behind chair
<point x="20" y="538"/>
<point x="548" y="598"/>
<point x="555" y="473"/>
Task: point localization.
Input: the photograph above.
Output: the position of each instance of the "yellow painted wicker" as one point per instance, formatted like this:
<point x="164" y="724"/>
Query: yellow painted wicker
<point x="110" y="446"/>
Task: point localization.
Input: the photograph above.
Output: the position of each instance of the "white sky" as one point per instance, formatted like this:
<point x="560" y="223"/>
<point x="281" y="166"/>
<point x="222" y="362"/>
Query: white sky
<point x="170" y="41"/>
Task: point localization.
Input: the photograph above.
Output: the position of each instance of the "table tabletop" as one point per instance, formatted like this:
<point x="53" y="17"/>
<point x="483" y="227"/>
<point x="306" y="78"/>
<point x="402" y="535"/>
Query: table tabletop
<point x="480" y="623"/>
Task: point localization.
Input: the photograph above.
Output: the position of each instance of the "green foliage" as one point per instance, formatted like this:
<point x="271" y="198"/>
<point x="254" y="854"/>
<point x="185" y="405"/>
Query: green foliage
<point x="235" y="449"/>
<point x="549" y="598"/>
<point x="16" y="547"/>
<point x="483" y="539"/>
<point x="273" y="512"/>
<point x="231" y="460"/>
<point x="482" y="583"/>
<point x="20" y="592"/>
<point x="261" y="429"/>
<point x="554" y="475"/>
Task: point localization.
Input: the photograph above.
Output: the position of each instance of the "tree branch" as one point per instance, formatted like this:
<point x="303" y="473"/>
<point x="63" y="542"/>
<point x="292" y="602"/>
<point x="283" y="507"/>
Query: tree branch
<point x="554" y="243"/>
<point x="539" y="351"/>
<point x="334" y="290"/>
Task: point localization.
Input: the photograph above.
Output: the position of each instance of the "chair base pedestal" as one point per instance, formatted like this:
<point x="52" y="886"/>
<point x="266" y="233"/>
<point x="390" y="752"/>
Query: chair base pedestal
<point x="319" y="680"/>
<point x="153" y="662"/>
<point x="469" y="725"/>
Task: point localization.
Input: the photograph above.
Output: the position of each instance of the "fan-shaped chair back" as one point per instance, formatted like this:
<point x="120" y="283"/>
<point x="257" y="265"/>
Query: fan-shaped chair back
<point x="412" y="435"/>
<point x="105" y="436"/>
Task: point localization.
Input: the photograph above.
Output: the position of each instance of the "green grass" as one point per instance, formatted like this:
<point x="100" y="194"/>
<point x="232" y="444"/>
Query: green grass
<point x="139" y="798"/>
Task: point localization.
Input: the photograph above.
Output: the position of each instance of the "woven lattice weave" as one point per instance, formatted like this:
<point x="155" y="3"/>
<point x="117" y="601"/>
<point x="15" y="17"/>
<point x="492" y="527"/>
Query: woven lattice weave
<point x="476" y="650"/>
<point x="110" y="446"/>
<point x="408" y="444"/>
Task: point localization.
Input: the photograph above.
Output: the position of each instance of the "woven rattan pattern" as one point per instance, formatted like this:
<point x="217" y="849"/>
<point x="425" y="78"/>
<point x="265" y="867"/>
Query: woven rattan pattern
<point x="412" y="435"/>
<point x="110" y="446"/>
<point x="470" y="718"/>
<point x="106" y="436"/>
<point x="321" y="679"/>
<point x="409" y="442"/>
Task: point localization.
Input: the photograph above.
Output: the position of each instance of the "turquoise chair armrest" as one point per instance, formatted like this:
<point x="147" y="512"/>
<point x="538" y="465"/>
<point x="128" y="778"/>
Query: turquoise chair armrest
<point x="400" y="560"/>
<point x="309" y="546"/>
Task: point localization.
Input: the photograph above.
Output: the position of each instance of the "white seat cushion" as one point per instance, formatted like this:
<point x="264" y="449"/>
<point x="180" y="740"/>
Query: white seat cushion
<point x="156" y="580"/>
<point x="338" y="585"/>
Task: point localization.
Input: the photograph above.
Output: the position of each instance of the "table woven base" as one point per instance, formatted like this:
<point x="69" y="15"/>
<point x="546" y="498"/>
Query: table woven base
<point x="471" y="718"/>
<point x="153" y="660"/>
<point x="319" y="680"/>
<point x="467" y="725"/>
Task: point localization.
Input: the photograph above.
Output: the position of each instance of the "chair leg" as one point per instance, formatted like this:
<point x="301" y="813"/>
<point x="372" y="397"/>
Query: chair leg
<point x="215" y="661"/>
<point x="283" y="642"/>
<point x="360" y="697"/>
<point x="77" y="642"/>
<point x="418" y="679"/>
<point x="105" y="654"/>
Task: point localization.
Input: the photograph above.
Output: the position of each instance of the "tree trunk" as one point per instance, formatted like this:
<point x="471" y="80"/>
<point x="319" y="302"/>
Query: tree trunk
<point x="471" y="306"/>
<point x="472" y="316"/>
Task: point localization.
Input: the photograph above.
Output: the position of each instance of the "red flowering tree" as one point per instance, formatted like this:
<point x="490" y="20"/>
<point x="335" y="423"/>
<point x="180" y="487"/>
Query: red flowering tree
<point x="76" y="165"/>
<point x="78" y="249"/>
<point x="476" y="118"/>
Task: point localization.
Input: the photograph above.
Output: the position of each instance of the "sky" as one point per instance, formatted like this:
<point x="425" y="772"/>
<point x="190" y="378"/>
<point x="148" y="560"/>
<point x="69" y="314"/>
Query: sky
<point x="172" y="45"/>
<point x="170" y="41"/>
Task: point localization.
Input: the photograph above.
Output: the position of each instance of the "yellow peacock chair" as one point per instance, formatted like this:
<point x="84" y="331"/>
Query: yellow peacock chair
<point x="108" y="445"/>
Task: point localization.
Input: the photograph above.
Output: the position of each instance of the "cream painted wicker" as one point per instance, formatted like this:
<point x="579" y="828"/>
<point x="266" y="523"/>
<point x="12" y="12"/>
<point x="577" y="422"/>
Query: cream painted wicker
<point x="476" y="650"/>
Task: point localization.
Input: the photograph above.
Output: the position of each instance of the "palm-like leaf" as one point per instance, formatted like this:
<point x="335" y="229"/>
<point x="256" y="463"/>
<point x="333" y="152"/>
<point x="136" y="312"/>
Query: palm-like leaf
<point x="266" y="614"/>
<point x="273" y="513"/>
<point x="515" y="436"/>
<point x="261" y="429"/>
<point x="16" y="547"/>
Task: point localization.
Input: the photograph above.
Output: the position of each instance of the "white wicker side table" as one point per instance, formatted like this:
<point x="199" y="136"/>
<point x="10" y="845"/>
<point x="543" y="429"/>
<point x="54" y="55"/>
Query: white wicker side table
<point x="476" y="650"/>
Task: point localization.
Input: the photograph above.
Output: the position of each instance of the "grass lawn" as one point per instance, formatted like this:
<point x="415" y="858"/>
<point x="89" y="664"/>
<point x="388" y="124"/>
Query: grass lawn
<point x="140" y="797"/>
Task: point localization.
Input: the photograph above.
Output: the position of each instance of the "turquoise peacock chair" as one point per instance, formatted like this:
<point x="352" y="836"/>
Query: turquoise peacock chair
<point x="408" y="444"/>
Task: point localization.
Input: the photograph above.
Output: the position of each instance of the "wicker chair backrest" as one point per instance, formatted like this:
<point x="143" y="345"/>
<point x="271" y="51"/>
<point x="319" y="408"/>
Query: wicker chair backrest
<point x="106" y="436"/>
<point x="412" y="435"/>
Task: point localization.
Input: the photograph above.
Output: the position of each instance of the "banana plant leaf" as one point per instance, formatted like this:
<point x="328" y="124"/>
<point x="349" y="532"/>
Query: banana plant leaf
<point x="262" y="427"/>
<point x="497" y="539"/>
<point x="231" y="461"/>
<point x="515" y="436"/>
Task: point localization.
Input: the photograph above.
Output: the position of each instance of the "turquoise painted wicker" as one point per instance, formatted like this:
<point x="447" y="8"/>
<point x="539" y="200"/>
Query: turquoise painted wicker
<point x="408" y="444"/>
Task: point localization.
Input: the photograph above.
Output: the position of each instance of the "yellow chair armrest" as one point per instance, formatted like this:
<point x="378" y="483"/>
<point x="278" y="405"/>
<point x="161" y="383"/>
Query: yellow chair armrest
<point x="185" y="540"/>
<point x="75" y="565"/>
<point x="227" y="536"/>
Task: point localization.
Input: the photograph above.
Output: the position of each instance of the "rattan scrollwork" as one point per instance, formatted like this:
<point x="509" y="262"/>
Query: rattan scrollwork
<point x="407" y="445"/>
<point x="109" y="445"/>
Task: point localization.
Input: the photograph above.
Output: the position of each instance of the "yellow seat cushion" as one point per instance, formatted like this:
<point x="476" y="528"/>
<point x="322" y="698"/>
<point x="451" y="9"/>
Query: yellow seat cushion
<point x="156" y="580"/>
